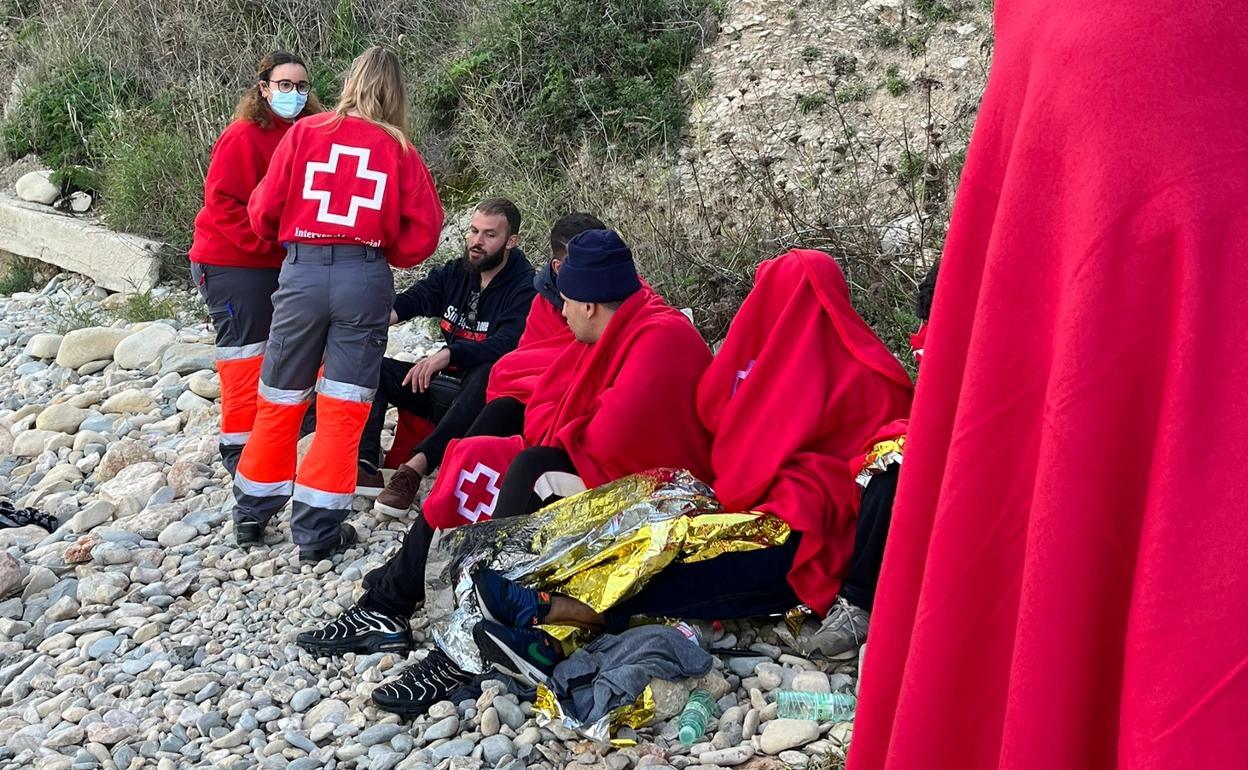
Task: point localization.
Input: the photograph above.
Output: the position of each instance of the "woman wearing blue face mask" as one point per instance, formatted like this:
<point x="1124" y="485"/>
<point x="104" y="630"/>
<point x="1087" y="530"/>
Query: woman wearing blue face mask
<point x="234" y="269"/>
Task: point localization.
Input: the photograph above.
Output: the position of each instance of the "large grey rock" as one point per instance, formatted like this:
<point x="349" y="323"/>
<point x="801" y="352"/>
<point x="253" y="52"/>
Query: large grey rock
<point x="189" y="402"/>
<point x="34" y="442"/>
<point x="10" y="575"/>
<point x="122" y="455"/>
<point x="144" y="346"/>
<point x="187" y="357"/>
<point x="206" y="384"/>
<point x="115" y="261"/>
<point x="128" y="402"/>
<point x="130" y="489"/>
<point x="784" y="734"/>
<point x="95" y="514"/>
<point x="44" y="345"/>
<point x="95" y="343"/>
<point x="37" y="187"/>
<point x="61" y="418"/>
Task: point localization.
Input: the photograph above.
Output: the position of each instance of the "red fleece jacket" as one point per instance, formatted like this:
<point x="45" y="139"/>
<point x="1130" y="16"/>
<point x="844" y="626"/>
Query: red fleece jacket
<point x="223" y="234"/>
<point x="345" y="180"/>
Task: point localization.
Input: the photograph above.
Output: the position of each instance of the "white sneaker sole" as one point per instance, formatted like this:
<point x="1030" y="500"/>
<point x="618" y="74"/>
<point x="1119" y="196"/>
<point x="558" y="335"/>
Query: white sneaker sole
<point x="390" y="510"/>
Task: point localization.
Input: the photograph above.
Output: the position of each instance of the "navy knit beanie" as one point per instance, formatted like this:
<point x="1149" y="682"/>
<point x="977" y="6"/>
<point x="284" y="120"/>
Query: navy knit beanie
<point x="599" y="268"/>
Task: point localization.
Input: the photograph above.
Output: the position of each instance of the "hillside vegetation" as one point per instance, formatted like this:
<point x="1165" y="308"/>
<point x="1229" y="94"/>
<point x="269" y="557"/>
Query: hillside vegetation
<point x="712" y="133"/>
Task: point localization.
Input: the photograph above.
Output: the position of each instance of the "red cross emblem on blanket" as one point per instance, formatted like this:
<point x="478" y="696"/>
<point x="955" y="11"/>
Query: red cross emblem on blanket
<point x="341" y="188"/>
<point x="477" y="492"/>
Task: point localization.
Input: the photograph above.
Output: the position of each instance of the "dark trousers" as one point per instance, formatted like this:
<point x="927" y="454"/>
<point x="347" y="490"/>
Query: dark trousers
<point x="398" y="586"/>
<point x="746" y="584"/>
<point x="452" y="425"/>
<point x="875" y="514"/>
<point x="240" y="304"/>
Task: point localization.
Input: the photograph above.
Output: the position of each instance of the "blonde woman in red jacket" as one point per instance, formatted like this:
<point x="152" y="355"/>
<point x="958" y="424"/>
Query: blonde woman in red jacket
<point x="349" y="196"/>
<point x="234" y="269"/>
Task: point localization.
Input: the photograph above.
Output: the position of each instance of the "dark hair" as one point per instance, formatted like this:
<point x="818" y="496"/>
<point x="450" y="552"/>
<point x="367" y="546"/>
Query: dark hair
<point x="497" y="206"/>
<point x="614" y="304"/>
<point x="252" y="104"/>
<point x="927" y="292"/>
<point x="569" y="226"/>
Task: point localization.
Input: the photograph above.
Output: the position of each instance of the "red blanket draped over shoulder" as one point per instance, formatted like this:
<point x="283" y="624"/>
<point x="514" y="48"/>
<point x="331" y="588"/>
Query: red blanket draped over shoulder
<point x="545" y="336"/>
<point x="628" y="406"/>
<point x="798" y="387"/>
<point x="1065" y="581"/>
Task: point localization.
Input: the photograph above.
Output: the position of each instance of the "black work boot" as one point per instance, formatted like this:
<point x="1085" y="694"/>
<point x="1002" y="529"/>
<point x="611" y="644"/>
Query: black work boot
<point x="347" y="537"/>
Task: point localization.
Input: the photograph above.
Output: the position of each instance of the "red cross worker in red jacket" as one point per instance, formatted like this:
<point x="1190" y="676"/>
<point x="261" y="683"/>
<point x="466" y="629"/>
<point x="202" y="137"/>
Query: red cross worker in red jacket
<point x="235" y="269"/>
<point x="349" y="196"/>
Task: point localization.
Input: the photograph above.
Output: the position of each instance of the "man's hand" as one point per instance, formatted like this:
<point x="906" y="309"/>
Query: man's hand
<point x="394" y="317"/>
<point x="423" y="370"/>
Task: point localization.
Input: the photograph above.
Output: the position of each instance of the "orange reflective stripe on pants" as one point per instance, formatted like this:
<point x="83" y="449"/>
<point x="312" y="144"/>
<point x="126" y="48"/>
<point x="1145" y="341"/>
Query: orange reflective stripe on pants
<point x="330" y="464"/>
<point x="279" y="414"/>
<point x="239" y="380"/>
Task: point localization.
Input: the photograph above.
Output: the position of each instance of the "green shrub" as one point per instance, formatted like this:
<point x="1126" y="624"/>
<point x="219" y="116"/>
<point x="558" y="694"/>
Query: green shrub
<point x="910" y="166"/>
<point x="885" y="36"/>
<point x="894" y="82"/>
<point x="854" y="92"/>
<point x="559" y="72"/>
<point x="57" y="117"/>
<point x="811" y="102"/>
<point x="145" y="307"/>
<point x="933" y="10"/>
<point x="19" y="275"/>
<point x="153" y="179"/>
<point x="810" y="53"/>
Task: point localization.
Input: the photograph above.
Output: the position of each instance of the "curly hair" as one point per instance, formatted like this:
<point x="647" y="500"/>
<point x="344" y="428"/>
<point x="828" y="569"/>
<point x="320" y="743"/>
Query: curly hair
<point x="254" y="107"/>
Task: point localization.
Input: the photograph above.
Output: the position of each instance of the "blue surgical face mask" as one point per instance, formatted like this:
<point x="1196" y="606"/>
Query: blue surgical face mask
<point x="287" y="105"/>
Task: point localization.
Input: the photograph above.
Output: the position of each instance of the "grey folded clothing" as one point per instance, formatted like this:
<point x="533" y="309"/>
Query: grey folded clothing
<point x="612" y="670"/>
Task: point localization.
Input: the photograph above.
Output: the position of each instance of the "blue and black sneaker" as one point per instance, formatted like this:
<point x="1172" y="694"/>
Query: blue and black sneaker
<point x="508" y="603"/>
<point x="360" y="631"/>
<point x="529" y="654"/>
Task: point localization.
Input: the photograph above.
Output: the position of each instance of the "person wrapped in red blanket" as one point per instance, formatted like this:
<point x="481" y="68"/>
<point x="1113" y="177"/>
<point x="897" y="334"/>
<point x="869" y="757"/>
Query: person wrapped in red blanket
<point x="878" y="470"/>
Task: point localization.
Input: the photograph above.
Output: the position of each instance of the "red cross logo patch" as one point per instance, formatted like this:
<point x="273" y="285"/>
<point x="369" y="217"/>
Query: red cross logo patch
<point x="477" y="492"/>
<point x="338" y="189"/>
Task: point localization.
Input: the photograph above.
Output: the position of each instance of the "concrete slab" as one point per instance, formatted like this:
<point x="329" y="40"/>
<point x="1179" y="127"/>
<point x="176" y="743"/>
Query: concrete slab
<point x="116" y="261"/>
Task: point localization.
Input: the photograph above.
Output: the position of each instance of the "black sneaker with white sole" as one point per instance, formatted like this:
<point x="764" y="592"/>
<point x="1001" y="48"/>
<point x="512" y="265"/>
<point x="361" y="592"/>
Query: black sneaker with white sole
<point x="526" y="653"/>
<point x="412" y="692"/>
<point x="359" y="630"/>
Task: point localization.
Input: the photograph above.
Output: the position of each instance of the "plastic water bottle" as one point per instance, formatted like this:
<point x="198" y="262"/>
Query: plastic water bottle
<point x="697" y="713"/>
<point x="816" y="706"/>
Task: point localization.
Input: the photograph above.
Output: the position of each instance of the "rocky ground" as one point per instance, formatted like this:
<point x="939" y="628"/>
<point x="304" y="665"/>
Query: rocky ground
<point x="138" y="636"/>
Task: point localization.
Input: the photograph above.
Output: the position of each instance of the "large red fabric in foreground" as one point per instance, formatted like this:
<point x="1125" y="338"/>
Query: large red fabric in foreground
<point x="1065" y="583"/>
<point x="545" y="336"/>
<point x="799" y="385"/>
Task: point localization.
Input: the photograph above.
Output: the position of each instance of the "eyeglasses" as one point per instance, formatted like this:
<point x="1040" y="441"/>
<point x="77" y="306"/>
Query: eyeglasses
<point x="286" y="86"/>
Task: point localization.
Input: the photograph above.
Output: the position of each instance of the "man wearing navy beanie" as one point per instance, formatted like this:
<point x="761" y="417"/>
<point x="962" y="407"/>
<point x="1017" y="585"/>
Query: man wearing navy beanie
<point x="598" y="275"/>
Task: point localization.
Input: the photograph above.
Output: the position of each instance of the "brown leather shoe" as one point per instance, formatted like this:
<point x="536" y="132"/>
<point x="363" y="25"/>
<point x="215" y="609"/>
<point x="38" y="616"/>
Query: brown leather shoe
<point x="369" y="484"/>
<point x="397" y="498"/>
